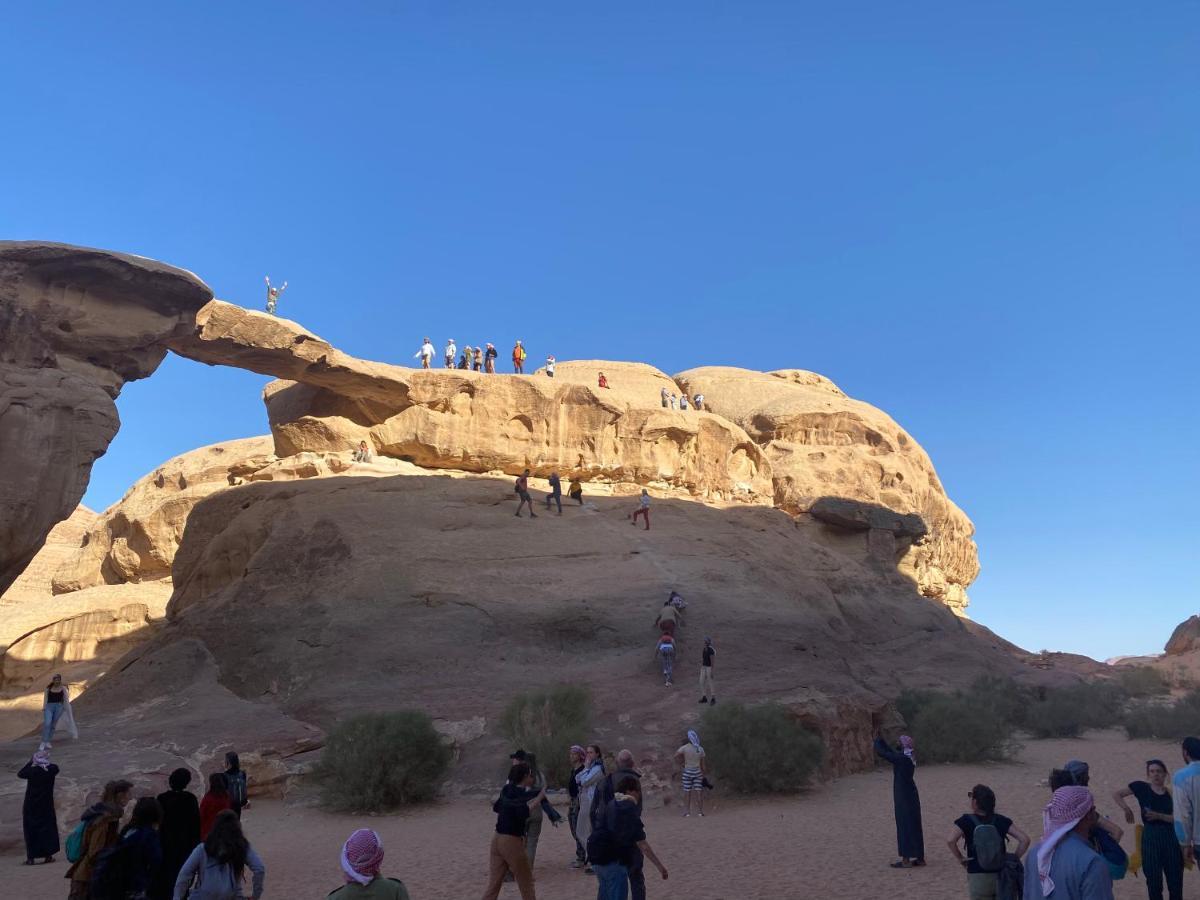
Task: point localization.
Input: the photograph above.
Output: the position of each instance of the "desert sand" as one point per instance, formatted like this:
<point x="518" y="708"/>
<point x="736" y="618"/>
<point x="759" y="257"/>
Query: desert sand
<point x="833" y="841"/>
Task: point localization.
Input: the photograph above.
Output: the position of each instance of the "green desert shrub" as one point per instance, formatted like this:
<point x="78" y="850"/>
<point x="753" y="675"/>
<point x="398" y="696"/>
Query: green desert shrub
<point x="379" y="761"/>
<point x="1168" y="721"/>
<point x="759" y="749"/>
<point x="548" y="722"/>
<point x="1069" y="711"/>
<point x="958" y="728"/>
<point x="1142" y="681"/>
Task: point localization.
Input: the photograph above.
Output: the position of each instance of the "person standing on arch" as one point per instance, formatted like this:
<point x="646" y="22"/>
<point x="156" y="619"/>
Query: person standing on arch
<point x="425" y="354"/>
<point x="451" y="353"/>
<point x="489" y="359"/>
<point x="273" y="295"/>
<point x="518" y="358"/>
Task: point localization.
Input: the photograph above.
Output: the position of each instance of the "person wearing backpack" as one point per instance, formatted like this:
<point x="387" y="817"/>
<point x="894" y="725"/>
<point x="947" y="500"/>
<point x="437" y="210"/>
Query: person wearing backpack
<point x="618" y="841"/>
<point x="983" y="835"/>
<point x="518" y="358"/>
<point x="216" y="869"/>
<point x="235" y="782"/>
<point x="126" y="870"/>
<point x="98" y="829"/>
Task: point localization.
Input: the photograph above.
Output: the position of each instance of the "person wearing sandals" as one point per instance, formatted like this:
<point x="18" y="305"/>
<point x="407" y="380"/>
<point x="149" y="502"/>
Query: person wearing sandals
<point x="37" y="813"/>
<point x="691" y="757"/>
<point x="910" y="841"/>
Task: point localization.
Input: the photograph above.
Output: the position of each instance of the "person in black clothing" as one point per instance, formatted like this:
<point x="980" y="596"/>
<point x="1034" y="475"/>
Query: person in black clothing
<point x="235" y="783"/>
<point x="708" y="693"/>
<point x="507" y="854"/>
<point x="910" y="841"/>
<point x="127" y="869"/>
<point x="619" y="840"/>
<point x="179" y="832"/>
<point x="982" y="882"/>
<point x="538" y="814"/>
<point x="37" y="813"/>
<point x="1161" y="854"/>
<point x="577" y="758"/>
<point x="636" y="866"/>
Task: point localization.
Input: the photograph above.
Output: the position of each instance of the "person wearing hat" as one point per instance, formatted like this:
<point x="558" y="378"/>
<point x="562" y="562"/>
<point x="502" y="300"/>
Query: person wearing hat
<point x="1063" y="864"/>
<point x="362" y="857"/>
<point x="539" y="813"/>
<point x="451" y="353"/>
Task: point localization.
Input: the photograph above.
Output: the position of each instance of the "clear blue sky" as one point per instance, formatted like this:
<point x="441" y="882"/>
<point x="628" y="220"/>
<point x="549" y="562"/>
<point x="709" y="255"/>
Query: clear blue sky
<point x="984" y="220"/>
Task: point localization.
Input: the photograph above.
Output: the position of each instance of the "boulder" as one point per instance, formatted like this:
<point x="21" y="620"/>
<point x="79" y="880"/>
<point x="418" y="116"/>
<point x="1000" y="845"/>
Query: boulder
<point x="823" y="444"/>
<point x="75" y="325"/>
<point x="1185" y="637"/>
<point x="855" y="516"/>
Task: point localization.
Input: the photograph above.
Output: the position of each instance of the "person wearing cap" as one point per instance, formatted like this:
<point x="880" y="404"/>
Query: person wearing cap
<point x="1081" y="776"/>
<point x="451" y="353"/>
<point x="518" y="358"/>
<point x="537" y="814"/>
<point x="1063" y="865"/>
<point x="362" y="857"/>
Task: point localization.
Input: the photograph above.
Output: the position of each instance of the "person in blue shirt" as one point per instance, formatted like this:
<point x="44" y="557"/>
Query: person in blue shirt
<point x="1063" y="865"/>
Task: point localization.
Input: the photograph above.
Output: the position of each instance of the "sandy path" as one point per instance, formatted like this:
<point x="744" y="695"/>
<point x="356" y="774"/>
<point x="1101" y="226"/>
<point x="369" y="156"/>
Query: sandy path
<point x="835" y="841"/>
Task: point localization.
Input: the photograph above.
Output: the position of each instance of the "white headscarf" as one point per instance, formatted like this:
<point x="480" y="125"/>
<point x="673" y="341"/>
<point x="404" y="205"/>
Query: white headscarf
<point x="694" y="740"/>
<point x="1064" y="811"/>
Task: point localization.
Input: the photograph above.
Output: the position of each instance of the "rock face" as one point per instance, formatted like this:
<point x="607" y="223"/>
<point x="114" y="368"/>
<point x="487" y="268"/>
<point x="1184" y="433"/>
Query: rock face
<point x="75" y="325"/>
<point x="1185" y="637"/>
<point x="823" y="444"/>
<point x="469" y="421"/>
<point x="135" y="540"/>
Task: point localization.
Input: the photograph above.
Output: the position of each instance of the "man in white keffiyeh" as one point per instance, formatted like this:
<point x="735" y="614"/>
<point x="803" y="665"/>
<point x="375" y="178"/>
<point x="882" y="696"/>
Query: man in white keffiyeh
<point x="1063" y="865"/>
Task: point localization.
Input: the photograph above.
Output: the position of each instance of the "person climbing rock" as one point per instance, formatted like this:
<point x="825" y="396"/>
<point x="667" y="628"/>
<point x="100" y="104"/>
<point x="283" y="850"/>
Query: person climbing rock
<point x="668" y="618"/>
<point x="602" y="381"/>
<point x="665" y="648"/>
<point x="551" y="362"/>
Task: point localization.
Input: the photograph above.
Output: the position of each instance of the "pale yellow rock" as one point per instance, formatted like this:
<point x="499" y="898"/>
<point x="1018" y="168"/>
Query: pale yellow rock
<point x="822" y="443"/>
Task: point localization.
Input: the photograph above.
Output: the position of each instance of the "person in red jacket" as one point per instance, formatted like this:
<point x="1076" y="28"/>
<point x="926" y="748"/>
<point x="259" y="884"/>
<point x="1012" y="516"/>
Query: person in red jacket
<point x="214" y="802"/>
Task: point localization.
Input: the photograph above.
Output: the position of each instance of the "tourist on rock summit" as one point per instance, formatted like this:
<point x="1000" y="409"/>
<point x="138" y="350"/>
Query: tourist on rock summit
<point x="910" y="841"/>
<point x="698" y="401"/>
<point x="1187" y="799"/>
<point x="235" y="781"/>
<point x="589" y="781"/>
<point x="683" y="401"/>
<point x="214" y="802"/>
<point x="1161" y="854"/>
<point x="522" y="490"/>
<point x="643" y="509"/>
<point x="664" y="647"/>
<point x="668" y="618"/>
<point x="37" y="812"/>
<point x="56" y="707"/>
<point x="218" y="866"/>
<point x="464" y="361"/>
<point x="537" y="814"/>
<point x="489" y="359"/>
<point x="477" y="360"/>
<point x="691" y="758"/>
<point x="101" y="831"/>
<point x="618" y="845"/>
<point x="1063" y="865"/>
<point x="602" y="381"/>
<point x="362" y="859"/>
<point x="576" y="757"/>
<point x="450" y="354"/>
<point x="983" y="834"/>
<point x="507" y="854"/>
<point x="518" y="358"/>
<point x="179" y="832"/>
<point x="425" y="354"/>
<point x="363" y="453"/>
<point x="273" y="294"/>
<point x="708" y="692"/>
<point x="674" y="401"/>
<point x="666" y="397"/>
<point x="555" y="494"/>
<point x="551" y="362"/>
<point x="576" y="490"/>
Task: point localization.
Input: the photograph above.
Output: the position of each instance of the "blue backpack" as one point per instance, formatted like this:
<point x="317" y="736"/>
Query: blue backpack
<point x="75" y="842"/>
<point x="1114" y="855"/>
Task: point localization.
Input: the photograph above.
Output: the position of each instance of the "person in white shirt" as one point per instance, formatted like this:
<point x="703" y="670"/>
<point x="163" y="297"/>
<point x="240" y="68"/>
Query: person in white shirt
<point x="425" y="354"/>
<point x="550" y="362"/>
<point x="451" y="353"/>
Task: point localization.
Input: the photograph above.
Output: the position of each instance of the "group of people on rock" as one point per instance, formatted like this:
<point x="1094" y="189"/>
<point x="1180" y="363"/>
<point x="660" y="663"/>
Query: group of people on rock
<point x="671" y="400"/>
<point x="173" y="846"/>
<point x="477" y="359"/>
<point x="553" y="496"/>
<point x="1080" y="854"/>
<point x="667" y="622"/>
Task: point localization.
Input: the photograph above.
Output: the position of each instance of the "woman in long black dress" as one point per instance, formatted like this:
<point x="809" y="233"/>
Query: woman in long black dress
<point x="179" y="832"/>
<point x="910" y="841"/>
<point x="41" y="825"/>
<point x="1161" y="856"/>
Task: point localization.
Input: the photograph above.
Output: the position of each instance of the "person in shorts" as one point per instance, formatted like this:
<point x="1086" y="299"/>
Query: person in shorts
<point x="691" y="757"/>
<point x="522" y="489"/>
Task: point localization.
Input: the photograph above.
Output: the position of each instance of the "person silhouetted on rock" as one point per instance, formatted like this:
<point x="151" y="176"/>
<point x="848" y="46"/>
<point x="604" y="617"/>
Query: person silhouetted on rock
<point x="273" y="295"/>
<point x="522" y="489"/>
<point x="489" y="359"/>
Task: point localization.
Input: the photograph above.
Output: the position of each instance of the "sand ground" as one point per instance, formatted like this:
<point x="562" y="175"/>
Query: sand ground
<point x="834" y="841"/>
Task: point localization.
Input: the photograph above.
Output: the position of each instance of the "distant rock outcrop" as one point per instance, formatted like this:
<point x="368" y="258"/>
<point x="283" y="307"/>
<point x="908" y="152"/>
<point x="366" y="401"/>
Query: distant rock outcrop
<point x="1185" y="637"/>
<point x="75" y="325"/>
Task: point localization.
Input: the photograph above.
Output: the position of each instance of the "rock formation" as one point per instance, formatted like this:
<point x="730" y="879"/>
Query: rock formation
<point x="823" y="444"/>
<point x="75" y="325"/>
<point x="1185" y="637"/>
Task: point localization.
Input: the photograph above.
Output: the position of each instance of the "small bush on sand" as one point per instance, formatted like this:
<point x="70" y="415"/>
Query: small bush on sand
<point x="379" y="761"/>
<point x="1069" y="711"/>
<point x="1142" y="681"/>
<point x="958" y="728"/>
<point x="759" y="749"/>
<point x="547" y="723"/>
<point x="1168" y="721"/>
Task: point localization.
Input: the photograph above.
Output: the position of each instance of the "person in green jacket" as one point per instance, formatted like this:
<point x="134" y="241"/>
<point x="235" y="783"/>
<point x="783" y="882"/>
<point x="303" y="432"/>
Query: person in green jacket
<point x="362" y="855"/>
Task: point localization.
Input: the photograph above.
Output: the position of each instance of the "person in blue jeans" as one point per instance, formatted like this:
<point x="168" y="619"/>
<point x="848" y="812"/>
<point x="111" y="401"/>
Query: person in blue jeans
<point x="617" y="837"/>
<point x="56" y="705"/>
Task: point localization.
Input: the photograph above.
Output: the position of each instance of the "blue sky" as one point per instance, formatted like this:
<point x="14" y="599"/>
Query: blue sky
<point x="982" y="220"/>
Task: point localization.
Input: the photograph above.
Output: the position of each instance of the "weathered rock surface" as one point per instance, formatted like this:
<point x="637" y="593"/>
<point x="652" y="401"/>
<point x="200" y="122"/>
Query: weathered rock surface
<point x="75" y="325"/>
<point x="136" y="538"/>
<point x="62" y="543"/>
<point x="1185" y="637"/>
<point x="822" y="443"/>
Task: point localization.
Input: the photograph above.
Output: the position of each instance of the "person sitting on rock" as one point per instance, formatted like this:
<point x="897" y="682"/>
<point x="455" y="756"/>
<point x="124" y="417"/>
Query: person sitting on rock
<point x="576" y="490"/>
<point x="363" y="453"/>
<point x="602" y="381"/>
<point x="273" y="295"/>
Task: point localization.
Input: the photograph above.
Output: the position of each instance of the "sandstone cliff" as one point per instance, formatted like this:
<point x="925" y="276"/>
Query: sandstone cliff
<point x="75" y="325"/>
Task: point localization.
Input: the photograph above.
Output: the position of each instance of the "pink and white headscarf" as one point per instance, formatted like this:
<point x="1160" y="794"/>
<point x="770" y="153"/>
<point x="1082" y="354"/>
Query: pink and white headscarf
<point x="42" y="758"/>
<point x="908" y="748"/>
<point x="362" y="855"/>
<point x="1064" y="811"/>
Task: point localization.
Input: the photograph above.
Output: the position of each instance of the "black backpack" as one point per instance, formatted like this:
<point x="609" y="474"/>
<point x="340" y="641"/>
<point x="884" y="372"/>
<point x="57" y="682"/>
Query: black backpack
<point x="115" y="871"/>
<point x="235" y="782"/>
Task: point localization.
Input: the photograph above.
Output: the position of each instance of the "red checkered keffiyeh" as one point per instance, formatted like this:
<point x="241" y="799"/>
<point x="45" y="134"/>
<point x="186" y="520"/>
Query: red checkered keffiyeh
<point x="362" y="855"/>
